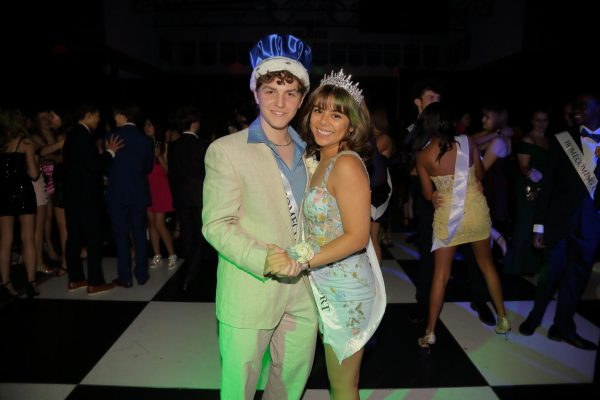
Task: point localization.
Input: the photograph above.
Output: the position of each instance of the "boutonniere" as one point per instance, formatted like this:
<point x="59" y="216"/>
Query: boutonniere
<point x="311" y="164"/>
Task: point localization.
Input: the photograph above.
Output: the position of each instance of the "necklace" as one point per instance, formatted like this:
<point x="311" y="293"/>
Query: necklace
<point x="283" y="145"/>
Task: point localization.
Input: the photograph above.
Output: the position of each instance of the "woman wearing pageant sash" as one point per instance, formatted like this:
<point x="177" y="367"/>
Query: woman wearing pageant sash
<point x="344" y="273"/>
<point x="453" y="164"/>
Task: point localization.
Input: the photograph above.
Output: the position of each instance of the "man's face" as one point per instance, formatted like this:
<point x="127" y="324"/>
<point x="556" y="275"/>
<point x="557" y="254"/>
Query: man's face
<point x="428" y="97"/>
<point x="93" y="120"/>
<point x="278" y="103"/>
<point x="120" y="119"/>
<point x="586" y="111"/>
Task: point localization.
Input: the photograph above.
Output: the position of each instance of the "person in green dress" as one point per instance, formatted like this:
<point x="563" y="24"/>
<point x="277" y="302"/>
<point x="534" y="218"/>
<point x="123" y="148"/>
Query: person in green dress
<point x="522" y="258"/>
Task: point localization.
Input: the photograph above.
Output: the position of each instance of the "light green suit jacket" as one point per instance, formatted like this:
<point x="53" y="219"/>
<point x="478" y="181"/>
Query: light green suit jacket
<point x="245" y="208"/>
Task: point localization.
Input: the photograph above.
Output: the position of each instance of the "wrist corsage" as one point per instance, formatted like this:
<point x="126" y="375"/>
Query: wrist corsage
<point x="303" y="252"/>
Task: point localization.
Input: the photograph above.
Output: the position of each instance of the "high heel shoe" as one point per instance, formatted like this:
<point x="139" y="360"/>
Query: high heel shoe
<point x="44" y="269"/>
<point x="172" y="261"/>
<point x="156" y="260"/>
<point x="427" y="340"/>
<point x="31" y="289"/>
<point x="10" y="291"/>
<point x="503" y="326"/>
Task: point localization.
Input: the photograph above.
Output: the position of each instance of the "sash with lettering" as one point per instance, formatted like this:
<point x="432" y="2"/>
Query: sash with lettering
<point x="342" y="345"/>
<point x="459" y="191"/>
<point x="578" y="159"/>
<point x="292" y="205"/>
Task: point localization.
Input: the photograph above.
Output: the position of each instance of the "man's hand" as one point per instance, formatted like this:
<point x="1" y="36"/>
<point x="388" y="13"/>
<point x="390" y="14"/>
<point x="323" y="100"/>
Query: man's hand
<point x="538" y="240"/>
<point x="437" y="200"/>
<point x="279" y="263"/>
<point x="114" y="143"/>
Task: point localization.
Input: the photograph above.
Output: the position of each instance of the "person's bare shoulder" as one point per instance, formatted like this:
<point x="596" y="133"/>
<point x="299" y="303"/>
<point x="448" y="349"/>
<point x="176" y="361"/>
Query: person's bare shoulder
<point x="527" y="139"/>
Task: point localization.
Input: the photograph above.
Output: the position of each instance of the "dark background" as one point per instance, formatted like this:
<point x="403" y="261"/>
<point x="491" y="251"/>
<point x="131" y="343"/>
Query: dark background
<point x="55" y="53"/>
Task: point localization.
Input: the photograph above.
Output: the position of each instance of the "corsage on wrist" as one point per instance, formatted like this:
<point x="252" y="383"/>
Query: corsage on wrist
<point x="303" y="252"/>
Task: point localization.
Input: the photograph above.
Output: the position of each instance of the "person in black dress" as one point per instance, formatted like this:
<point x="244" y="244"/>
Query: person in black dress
<point x="18" y="167"/>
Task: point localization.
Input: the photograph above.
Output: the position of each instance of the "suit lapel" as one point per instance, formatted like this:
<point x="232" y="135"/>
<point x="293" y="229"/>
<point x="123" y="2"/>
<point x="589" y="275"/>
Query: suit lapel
<point x="269" y="178"/>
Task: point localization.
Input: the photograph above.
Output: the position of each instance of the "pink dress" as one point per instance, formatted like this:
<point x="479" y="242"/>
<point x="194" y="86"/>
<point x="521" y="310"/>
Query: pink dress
<point x="160" y="192"/>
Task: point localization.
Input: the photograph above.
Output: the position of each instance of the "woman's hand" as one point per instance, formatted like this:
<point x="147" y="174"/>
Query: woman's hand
<point x="437" y="200"/>
<point x="534" y="175"/>
<point x="279" y="263"/>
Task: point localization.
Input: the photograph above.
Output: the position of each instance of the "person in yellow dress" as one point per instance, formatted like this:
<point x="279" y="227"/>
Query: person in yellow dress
<point x="452" y="164"/>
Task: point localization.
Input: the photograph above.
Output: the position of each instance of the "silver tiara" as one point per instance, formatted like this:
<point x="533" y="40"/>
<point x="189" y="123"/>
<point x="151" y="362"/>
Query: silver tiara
<point x="343" y="81"/>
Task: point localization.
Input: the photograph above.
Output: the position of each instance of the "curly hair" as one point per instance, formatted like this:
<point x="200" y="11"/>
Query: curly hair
<point x="330" y="97"/>
<point x="281" y="77"/>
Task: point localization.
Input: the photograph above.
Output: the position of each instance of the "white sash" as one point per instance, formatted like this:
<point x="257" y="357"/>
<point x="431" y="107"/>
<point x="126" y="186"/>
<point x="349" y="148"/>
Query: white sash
<point x="578" y="160"/>
<point x="330" y="319"/>
<point x="344" y="348"/>
<point x="459" y="191"/>
<point x="292" y="205"/>
<point x="377" y="212"/>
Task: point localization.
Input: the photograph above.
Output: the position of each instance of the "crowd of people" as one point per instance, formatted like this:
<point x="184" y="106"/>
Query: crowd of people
<point x="84" y="179"/>
<point x="298" y="212"/>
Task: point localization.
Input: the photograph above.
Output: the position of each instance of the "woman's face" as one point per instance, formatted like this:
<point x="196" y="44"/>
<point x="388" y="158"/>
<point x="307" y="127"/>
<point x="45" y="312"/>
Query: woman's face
<point x="43" y="119"/>
<point x="54" y="120"/>
<point x="539" y="121"/>
<point x="149" y="128"/>
<point x="466" y="120"/>
<point x="488" y="120"/>
<point x="328" y="127"/>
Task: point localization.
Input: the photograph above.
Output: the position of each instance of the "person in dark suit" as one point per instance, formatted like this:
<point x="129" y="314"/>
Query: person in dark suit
<point x="83" y="199"/>
<point x="567" y="224"/>
<point x="185" y="159"/>
<point x="128" y="194"/>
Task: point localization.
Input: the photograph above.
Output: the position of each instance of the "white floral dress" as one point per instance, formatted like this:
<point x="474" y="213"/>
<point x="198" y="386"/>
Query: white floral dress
<point x="345" y="291"/>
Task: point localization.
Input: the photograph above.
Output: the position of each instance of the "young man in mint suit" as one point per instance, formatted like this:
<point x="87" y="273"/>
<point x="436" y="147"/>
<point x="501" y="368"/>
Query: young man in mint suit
<point x="254" y="183"/>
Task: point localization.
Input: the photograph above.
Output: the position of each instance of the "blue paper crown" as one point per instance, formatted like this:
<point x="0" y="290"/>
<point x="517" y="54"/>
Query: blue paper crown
<point x="291" y="53"/>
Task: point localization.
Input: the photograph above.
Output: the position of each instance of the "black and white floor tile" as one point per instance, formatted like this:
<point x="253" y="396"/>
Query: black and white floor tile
<point x="158" y="342"/>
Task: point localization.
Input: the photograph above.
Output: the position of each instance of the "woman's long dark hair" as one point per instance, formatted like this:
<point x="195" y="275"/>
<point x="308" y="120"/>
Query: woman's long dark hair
<point x="436" y="120"/>
<point x="338" y="99"/>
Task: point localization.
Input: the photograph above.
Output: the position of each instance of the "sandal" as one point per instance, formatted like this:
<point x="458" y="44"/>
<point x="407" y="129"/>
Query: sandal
<point x="44" y="269"/>
<point x="9" y="289"/>
<point x="61" y="271"/>
<point x="428" y="340"/>
<point x="31" y="289"/>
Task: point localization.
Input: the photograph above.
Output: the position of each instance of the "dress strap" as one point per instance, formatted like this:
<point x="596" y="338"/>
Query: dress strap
<point x="334" y="159"/>
<point x="19" y="144"/>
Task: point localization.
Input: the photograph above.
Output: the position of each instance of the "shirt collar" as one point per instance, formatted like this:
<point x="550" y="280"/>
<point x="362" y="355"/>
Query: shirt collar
<point x="85" y="126"/>
<point x="128" y="123"/>
<point x="190" y="133"/>
<point x="588" y="130"/>
<point x="256" y="134"/>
